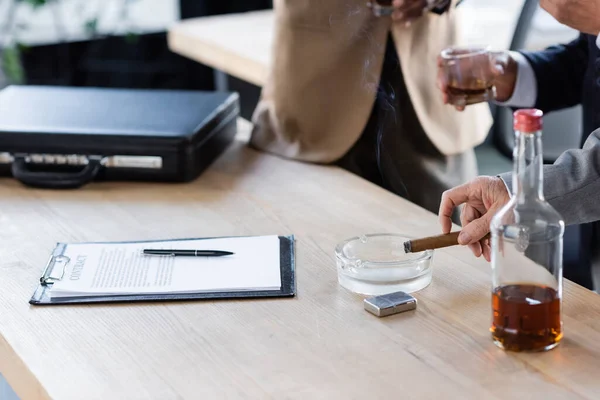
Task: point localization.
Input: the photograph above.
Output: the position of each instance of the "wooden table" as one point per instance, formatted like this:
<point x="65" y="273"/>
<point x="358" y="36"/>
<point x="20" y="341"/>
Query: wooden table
<point x="235" y="44"/>
<point x="318" y="345"/>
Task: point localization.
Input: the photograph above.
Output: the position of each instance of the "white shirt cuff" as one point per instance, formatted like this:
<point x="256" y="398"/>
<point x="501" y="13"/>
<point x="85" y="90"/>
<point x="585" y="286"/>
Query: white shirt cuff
<point x="525" y="93"/>
<point x="598" y="41"/>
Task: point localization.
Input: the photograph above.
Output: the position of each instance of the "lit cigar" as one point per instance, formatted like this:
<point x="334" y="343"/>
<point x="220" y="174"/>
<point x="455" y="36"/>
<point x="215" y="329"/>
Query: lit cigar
<point x="433" y="242"/>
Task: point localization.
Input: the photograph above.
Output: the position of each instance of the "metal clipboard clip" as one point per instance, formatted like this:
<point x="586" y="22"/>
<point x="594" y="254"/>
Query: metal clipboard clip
<point x="55" y="269"/>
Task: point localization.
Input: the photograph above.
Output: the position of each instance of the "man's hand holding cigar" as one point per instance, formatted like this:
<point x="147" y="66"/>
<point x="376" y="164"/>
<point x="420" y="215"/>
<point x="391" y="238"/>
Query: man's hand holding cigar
<point x="482" y="199"/>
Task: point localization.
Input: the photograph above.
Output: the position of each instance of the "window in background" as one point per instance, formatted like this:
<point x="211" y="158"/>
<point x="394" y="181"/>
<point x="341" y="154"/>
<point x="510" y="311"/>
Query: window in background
<point x="492" y="22"/>
<point x="71" y="20"/>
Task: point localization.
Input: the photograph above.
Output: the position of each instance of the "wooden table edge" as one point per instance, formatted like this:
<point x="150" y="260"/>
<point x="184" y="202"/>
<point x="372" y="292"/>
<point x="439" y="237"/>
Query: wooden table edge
<point x="212" y="54"/>
<point x="21" y="379"/>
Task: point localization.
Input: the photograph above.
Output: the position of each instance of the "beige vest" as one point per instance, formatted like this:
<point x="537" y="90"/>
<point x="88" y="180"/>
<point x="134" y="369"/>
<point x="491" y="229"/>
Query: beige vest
<point x="327" y="60"/>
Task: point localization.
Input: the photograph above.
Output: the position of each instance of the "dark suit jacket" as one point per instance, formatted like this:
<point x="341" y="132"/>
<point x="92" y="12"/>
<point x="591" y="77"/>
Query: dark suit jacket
<point x="568" y="75"/>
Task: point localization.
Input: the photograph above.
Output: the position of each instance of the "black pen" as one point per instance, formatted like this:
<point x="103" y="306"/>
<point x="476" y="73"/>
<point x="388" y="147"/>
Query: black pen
<point x="189" y="253"/>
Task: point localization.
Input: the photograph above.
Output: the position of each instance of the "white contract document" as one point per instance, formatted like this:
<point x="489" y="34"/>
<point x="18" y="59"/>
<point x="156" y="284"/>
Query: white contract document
<point x="121" y="268"/>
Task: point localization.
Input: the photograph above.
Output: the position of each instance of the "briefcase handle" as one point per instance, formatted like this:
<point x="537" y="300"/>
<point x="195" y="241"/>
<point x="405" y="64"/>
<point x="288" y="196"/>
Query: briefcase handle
<point x="54" y="180"/>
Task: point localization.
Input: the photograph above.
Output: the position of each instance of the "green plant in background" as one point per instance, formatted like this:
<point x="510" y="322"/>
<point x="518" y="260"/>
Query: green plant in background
<point x="35" y="3"/>
<point x="11" y="64"/>
<point x="11" y="48"/>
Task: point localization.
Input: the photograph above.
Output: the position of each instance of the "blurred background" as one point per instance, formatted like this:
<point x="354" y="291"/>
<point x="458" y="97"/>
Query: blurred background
<point x="123" y="43"/>
<point x="108" y="43"/>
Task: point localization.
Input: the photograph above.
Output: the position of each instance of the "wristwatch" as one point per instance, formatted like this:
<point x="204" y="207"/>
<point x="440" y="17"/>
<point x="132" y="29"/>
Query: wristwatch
<point x="382" y="8"/>
<point x="438" y="6"/>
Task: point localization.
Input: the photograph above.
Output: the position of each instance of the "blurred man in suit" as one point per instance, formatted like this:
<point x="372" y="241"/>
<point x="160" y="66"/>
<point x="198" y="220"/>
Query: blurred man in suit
<point x="358" y="90"/>
<point x="559" y="77"/>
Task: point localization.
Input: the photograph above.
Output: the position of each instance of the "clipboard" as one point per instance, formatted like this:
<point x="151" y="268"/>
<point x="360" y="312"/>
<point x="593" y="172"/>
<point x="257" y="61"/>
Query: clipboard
<point x="57" y="263"/>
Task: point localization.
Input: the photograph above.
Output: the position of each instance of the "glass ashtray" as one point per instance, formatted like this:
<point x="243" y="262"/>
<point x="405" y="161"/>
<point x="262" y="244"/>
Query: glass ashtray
<point x="377" y="264"/>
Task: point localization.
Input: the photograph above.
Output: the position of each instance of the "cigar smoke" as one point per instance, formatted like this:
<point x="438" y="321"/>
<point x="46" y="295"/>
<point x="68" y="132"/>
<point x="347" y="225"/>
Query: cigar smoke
<point x="387" y="102"/>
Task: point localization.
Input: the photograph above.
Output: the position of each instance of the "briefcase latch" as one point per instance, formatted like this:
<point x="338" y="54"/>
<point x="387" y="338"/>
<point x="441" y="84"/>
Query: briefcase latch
<point x="146" y="162"/>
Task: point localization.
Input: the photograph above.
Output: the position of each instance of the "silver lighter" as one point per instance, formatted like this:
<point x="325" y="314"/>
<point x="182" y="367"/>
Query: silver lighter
<point x="389" y="304"/>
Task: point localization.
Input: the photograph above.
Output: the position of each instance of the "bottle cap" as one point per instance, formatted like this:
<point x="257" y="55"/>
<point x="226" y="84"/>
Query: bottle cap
<point x="528" y="120"/>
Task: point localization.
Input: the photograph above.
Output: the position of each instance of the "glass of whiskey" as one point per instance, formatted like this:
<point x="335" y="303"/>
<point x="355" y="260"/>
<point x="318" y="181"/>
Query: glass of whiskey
<point x="470" y="72"/>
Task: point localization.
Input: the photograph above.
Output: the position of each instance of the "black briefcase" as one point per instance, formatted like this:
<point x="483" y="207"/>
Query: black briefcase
<point x="65" y="137"/>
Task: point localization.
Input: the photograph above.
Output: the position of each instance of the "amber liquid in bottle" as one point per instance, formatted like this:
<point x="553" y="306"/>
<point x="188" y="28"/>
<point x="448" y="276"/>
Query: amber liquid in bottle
<point x="526" y="317"/>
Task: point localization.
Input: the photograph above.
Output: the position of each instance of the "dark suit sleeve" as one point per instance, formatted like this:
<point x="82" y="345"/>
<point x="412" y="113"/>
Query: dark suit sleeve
<point x="560" y="72"/>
